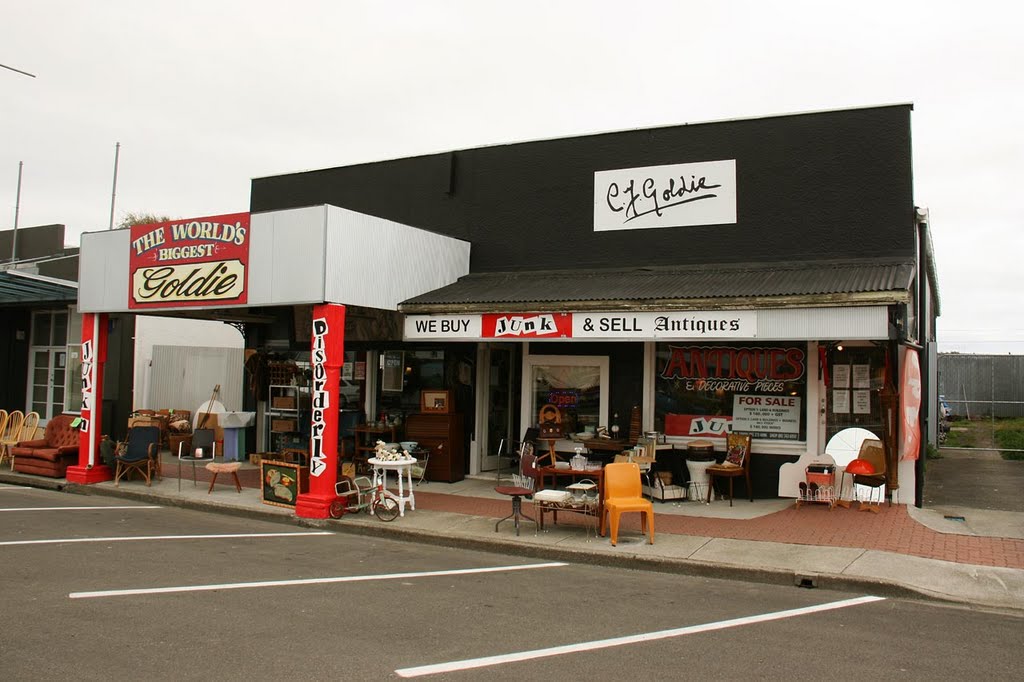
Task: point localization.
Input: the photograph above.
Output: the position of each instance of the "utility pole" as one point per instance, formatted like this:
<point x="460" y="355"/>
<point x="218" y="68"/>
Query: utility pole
<point x="17" y="210"/>
<point x="113" y="191"/>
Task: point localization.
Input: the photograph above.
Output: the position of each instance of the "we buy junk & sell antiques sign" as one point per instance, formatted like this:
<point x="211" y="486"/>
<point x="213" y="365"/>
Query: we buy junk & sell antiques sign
<point x="192" y="262"/>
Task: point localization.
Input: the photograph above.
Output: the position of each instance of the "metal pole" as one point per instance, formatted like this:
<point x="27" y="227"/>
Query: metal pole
<point x="17" y="210"/>
<point x="113" y="190"/>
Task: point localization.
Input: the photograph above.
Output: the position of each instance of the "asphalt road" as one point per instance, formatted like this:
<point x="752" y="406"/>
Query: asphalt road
<point x="80" y="604"/>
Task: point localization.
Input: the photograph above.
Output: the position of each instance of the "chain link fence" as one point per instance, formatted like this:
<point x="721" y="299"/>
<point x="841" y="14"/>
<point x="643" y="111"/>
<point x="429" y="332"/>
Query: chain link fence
<point x="985" y="399"/>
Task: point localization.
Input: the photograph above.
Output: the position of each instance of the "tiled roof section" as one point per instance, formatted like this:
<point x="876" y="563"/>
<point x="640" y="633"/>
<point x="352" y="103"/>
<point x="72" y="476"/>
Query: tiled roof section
<point x="674" y="283"/>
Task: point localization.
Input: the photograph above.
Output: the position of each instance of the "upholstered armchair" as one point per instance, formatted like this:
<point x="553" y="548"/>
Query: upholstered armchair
<point x="52" y="454"/>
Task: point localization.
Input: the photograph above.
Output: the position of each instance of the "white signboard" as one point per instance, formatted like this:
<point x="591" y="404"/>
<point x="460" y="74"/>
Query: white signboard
<point x="841" y="376"/>
<point x="768" y="414"/>
<point x="693" y="324"/>
<point x="442" y="327"/>
<point x="665" y="196"/>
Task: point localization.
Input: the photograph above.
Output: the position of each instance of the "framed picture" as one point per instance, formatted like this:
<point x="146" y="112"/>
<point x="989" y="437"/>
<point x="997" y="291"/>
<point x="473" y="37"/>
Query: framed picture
<point x="439" y="402"/>
<point x="282" y="482"/>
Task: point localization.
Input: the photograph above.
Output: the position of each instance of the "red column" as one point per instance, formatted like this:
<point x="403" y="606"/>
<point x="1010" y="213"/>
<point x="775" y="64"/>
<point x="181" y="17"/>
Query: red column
<point x="94" y="356"/>
<point x="328" y="354"/>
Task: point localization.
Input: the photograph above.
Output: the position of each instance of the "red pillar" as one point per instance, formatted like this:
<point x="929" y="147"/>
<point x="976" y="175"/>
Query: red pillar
<point x="328" y="354"/>
<point x="94" y="356"/>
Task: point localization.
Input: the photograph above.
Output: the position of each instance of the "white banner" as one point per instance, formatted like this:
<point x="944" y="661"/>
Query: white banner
<point x="665" y="196"/>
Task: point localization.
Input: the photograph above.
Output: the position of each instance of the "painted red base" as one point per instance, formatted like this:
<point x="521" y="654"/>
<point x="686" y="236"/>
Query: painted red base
<point x="83" y="474"/>
<point x="313" y="506"/>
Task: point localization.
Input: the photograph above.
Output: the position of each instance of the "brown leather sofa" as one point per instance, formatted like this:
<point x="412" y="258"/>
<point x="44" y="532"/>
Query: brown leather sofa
<point x="52" y="454"/>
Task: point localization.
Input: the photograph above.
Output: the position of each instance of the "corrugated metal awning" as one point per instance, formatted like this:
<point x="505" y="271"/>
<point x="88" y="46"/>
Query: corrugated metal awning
<point x="23" y="288"/>
<point x="695" y="286"/>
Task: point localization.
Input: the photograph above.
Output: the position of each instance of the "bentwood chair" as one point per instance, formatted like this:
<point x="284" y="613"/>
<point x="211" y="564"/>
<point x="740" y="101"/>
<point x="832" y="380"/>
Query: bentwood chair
<point x="30" y="426"/>
<point x="3" y="425"/>
<point x="623" y="492"/>
<point x="736" y="464"/>
<point x="11" y="435"/>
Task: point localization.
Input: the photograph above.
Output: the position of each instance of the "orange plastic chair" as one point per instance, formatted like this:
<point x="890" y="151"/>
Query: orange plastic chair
<point x="623" y="493"/>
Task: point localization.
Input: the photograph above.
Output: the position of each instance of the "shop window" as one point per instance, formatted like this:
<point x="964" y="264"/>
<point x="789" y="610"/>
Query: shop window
<point x="576" y="384"/>
<point x="708" y="391"/>
<point x="854" y="388"/>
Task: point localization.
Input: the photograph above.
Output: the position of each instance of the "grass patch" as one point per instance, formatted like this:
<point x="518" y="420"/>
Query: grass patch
<point x="1011" y="439"/>
<point x="1005" y="435"/>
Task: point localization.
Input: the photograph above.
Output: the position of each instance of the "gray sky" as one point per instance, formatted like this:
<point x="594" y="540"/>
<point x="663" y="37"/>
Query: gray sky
<point x="205" y="95"/>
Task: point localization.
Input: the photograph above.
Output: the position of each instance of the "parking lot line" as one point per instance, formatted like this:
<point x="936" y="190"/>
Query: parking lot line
<point x="310" y="581"/>
<point x="487" y="661"/>
<point x="34" y="509"/>
<point x="129" y="538"/>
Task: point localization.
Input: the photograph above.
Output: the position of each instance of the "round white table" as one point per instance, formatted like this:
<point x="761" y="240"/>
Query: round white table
<point x="403" y="467"/>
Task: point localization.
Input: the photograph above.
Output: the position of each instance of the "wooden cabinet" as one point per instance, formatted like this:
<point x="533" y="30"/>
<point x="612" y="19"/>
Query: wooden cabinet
<point x="441" y="434"/>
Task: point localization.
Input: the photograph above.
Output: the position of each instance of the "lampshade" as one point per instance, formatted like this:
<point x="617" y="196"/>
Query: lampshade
<point x="860" y="467"/>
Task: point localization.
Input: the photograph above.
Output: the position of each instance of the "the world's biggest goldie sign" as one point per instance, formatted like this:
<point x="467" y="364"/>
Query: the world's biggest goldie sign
<point x="193" y="262"/>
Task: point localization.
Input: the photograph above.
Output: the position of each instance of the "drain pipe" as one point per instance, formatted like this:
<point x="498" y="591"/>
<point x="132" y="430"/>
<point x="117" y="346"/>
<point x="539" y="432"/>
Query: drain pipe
<point x="923" y="317"/>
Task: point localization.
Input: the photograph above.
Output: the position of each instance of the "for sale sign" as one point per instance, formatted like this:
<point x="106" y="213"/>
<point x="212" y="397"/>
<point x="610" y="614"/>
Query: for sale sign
<point x="194" y="262"/>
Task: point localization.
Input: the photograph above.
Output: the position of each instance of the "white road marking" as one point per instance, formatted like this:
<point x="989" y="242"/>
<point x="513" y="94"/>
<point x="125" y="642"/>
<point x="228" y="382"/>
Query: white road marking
<point x="309" y="581"/>
<point x="487" y="661"/>
<point x="14" y="487"/>
<point x="129" y="538"/>
<point x="127" y="506"/>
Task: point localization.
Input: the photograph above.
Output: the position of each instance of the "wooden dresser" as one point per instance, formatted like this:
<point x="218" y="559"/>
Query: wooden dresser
<point x="442" y="435"/>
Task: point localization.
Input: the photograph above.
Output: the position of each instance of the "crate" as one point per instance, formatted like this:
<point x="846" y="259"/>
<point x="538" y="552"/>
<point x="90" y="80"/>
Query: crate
<point x="283" y="402"/>
<point x="283" y="425"/>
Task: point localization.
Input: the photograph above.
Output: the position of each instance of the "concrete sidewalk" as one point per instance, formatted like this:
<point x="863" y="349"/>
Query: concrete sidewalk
<point x="901" y="551"/>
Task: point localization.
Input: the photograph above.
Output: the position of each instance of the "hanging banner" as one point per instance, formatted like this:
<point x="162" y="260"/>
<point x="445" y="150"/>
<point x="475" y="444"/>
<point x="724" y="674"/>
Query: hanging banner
<point x="910" y="405"/>
<point x="188" y="263"/>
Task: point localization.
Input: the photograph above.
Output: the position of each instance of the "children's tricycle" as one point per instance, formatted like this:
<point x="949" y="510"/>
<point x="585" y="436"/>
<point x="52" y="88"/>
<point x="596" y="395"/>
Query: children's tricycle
<point x="358" y="494"/>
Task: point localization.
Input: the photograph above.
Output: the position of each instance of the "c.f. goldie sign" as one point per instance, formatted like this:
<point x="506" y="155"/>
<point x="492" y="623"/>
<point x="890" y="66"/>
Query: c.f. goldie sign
<point x="194" y="262"/>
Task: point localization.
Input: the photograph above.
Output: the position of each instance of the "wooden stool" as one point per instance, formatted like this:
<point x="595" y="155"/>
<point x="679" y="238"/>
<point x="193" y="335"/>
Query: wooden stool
<point x="224" y="468"/>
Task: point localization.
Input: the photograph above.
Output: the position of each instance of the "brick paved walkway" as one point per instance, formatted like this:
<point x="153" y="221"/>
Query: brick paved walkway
<point x="891" y="530"/>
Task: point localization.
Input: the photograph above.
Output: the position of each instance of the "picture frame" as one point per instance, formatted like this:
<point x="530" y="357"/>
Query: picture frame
<point x="281" y="482"/>
<point x="435" y="401"/>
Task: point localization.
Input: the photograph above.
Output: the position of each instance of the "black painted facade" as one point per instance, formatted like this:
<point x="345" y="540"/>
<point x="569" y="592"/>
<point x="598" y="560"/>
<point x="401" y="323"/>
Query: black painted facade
<point x="811" y="186"/>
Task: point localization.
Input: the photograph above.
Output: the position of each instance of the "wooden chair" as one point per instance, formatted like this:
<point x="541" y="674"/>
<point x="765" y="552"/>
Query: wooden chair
<point x="623" y="493"/>
<point x="30" y="427"/>
<point x="736" y="464"/>
<point x="11" y="435"/>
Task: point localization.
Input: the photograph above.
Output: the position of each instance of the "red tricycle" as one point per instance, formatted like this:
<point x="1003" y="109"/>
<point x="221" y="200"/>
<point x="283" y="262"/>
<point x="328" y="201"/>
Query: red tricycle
<point x="358" y="494"/>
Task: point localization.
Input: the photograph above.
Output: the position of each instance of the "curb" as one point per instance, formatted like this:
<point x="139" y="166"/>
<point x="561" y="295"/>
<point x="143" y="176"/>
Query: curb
<point x="720" y="571"/>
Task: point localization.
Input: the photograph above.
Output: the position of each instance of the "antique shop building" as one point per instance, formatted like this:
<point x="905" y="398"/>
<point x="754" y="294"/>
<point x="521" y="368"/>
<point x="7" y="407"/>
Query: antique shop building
<point x="771" y="276"/>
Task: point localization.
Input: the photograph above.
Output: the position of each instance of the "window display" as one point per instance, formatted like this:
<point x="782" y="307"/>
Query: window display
<point x="710" y="391"/>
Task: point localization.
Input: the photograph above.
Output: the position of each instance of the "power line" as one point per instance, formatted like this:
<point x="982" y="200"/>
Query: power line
<point x="24" y="73"/>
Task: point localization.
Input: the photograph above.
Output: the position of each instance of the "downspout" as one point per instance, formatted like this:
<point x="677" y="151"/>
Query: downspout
<point x="923" y="316"/>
